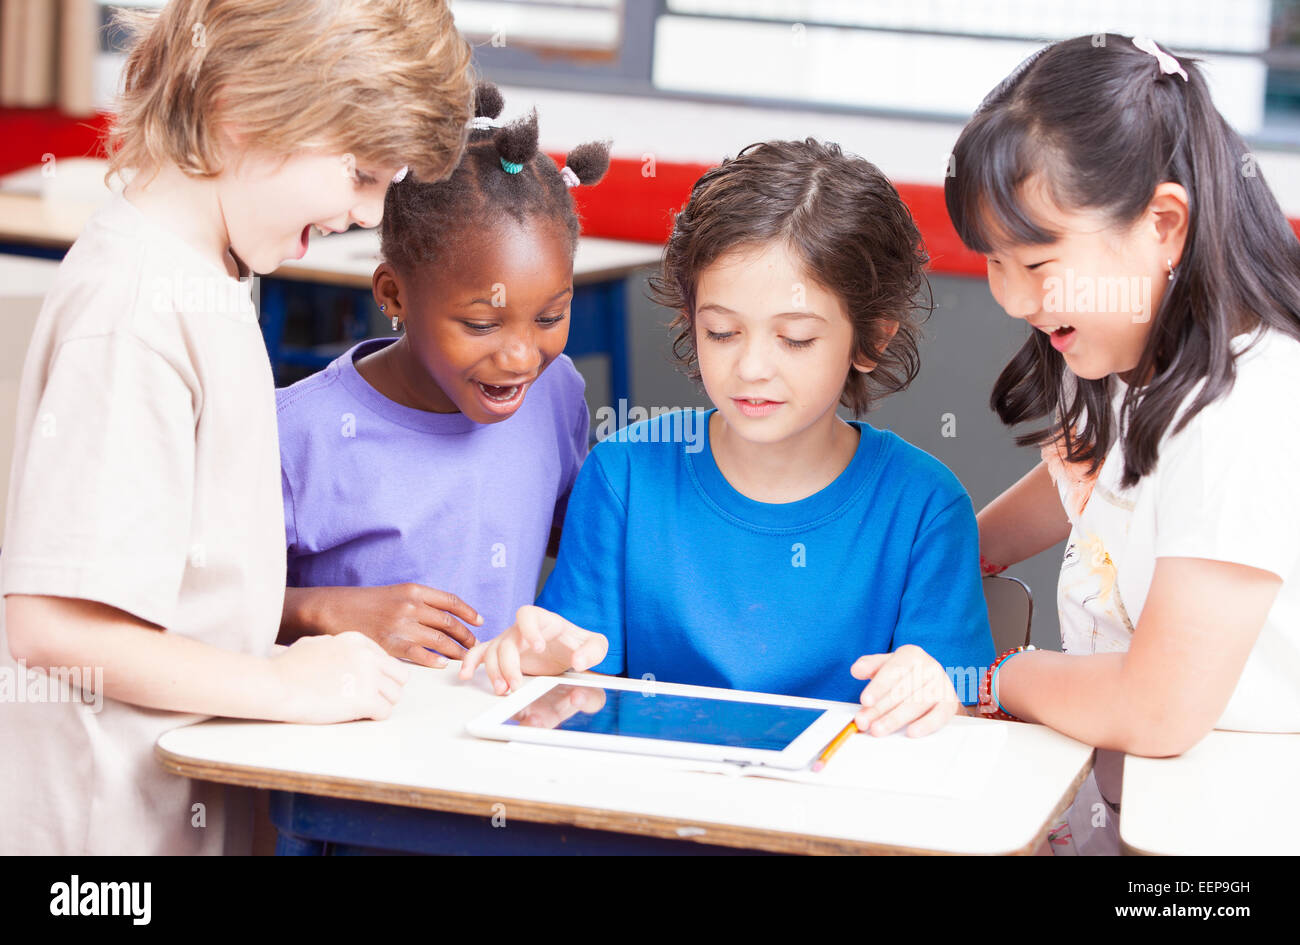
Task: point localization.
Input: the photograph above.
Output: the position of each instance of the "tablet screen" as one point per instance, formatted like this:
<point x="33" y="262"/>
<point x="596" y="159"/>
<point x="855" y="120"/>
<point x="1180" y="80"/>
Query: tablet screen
<point x="668" y="717"/>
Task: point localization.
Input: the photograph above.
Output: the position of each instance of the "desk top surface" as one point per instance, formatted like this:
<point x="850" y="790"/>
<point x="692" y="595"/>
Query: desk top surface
<point x="1233" y="793"/>
<point x="345" y="259"/>
<point x="46" y="223"/>
<point x="349" y="259"/>
<point x="422" y="757"/>
<point x="26" y="276"/>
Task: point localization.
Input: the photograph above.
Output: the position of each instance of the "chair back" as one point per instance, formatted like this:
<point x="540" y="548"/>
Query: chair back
<point x="1011" y="611"/>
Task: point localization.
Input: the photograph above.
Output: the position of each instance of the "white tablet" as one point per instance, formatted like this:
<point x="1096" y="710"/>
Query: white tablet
<point x="654" y="718"/>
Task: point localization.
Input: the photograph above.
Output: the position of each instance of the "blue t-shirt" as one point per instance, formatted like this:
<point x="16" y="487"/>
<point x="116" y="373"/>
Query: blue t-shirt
<point x="379" y="493"/>
<point x="693" y="582"/>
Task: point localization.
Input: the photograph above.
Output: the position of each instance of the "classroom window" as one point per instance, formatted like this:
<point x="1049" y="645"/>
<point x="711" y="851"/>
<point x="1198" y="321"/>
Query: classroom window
<point x="930" y="59"/>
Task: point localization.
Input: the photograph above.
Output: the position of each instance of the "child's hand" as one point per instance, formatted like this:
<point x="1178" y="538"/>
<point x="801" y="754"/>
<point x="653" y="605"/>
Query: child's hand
<point x="337" y="679"/>
<point x="404" y="619"/>
<point x="539" y="643"/>
<point x="908" y="687"/>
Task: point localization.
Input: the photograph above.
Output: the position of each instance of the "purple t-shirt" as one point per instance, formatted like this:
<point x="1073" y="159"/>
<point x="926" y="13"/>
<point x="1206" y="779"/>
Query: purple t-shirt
<point x="377" y="493"/>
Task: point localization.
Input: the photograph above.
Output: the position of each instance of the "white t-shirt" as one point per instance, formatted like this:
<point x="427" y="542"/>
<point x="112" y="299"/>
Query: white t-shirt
<point x="146" y="476"/>
<point x="1225" y="488"/>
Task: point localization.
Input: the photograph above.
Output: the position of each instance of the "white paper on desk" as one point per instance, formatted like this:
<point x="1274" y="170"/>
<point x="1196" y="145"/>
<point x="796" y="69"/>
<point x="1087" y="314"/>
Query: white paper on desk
<point x="596" y="759"/>
<point x="954" y="762"/>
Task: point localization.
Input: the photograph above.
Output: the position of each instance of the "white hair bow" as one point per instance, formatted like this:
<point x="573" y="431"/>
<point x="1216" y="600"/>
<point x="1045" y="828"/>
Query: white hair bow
<point x="1168" y="64"/>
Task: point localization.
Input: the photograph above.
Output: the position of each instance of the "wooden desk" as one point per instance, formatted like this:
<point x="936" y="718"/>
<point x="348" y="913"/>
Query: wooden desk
<point x="421" y="761"/>
<point x="341" y="259"/>
<point x="23" y="284"/>
<point x="348" y="259"/>
<point x="1233" y="793"/>
<point x="31" y="225"/>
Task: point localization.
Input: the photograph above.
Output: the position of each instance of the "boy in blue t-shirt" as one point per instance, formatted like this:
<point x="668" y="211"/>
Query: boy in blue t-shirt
<point x="768" y="544"/>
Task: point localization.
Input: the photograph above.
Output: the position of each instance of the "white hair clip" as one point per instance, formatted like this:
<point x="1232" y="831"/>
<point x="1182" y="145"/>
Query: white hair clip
<point x="1168" y="64"/>
<point x="569" y="177"/>
<point x="482" y="123"/>
<point x="400" y="175"/>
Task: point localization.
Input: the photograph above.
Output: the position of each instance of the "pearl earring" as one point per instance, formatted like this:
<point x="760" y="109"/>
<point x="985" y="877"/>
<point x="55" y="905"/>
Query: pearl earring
<point x="1170" y="264"/>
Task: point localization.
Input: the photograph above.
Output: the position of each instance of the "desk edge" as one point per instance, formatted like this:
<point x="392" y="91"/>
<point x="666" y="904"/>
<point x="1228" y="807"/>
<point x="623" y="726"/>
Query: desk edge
<point x="748" y="838"/>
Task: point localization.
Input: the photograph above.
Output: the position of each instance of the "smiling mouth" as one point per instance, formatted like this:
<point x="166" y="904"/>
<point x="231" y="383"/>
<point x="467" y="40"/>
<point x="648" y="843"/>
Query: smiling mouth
<point x="498" y="394"/>
<point x="756" y="406"/>
<point x="501" y="394"/>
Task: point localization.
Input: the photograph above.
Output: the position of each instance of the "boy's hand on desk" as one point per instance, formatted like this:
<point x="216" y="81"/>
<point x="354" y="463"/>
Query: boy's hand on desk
<point x="908" y="688"/>
<point x="407" y="620"/>
<point x="539" y="643"/>
<point x="338" y="679"/>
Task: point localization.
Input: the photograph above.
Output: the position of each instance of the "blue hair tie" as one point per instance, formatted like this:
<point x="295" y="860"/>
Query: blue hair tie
<point x="510" y="167"/>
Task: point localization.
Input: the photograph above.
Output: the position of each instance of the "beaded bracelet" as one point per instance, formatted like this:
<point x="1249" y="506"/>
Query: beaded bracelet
<point x="990" y="682"/>
<point x="988" y="569"/>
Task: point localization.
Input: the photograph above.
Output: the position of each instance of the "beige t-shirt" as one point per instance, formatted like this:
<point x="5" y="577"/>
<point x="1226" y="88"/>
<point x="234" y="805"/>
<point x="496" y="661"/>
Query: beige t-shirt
<point x="145" y="476"/>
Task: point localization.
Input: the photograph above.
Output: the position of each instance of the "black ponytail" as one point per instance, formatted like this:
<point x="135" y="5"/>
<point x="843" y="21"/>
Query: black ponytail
<point x="503" y="175"/>
<point x="516" y="143"/>
<point x="488" y="102"/>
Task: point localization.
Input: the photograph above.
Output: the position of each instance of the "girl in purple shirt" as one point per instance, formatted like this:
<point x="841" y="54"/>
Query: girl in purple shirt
<point x="425" y="477"/>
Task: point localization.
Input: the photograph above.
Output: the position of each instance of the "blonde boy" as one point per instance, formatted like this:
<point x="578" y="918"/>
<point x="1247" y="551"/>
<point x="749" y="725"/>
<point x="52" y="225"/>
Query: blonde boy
<point x="145" y="535"/>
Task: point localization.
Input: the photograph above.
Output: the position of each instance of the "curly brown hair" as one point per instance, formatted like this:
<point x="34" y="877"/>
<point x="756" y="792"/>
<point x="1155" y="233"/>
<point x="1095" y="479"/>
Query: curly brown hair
<point x="838" y="214"/>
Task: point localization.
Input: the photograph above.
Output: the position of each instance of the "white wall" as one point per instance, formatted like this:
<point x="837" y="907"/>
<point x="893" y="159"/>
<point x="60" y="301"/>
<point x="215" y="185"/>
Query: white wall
<point x="912" y="151"/>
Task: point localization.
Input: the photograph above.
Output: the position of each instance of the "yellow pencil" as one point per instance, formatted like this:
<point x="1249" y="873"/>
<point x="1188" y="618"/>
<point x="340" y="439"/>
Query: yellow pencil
<point x="836" y="742"/>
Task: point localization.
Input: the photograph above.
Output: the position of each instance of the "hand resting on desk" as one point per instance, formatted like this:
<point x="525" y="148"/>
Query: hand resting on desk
<point x="908" y="687"/>
<point x="317" y="680"/>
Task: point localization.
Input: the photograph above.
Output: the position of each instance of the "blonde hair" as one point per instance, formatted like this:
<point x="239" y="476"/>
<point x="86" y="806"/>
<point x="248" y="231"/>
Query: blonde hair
<point x="388" y="81"/>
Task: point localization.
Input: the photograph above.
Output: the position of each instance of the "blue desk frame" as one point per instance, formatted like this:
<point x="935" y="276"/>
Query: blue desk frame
<point x="38" y="252"/>
<point x="312" y="825"/>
